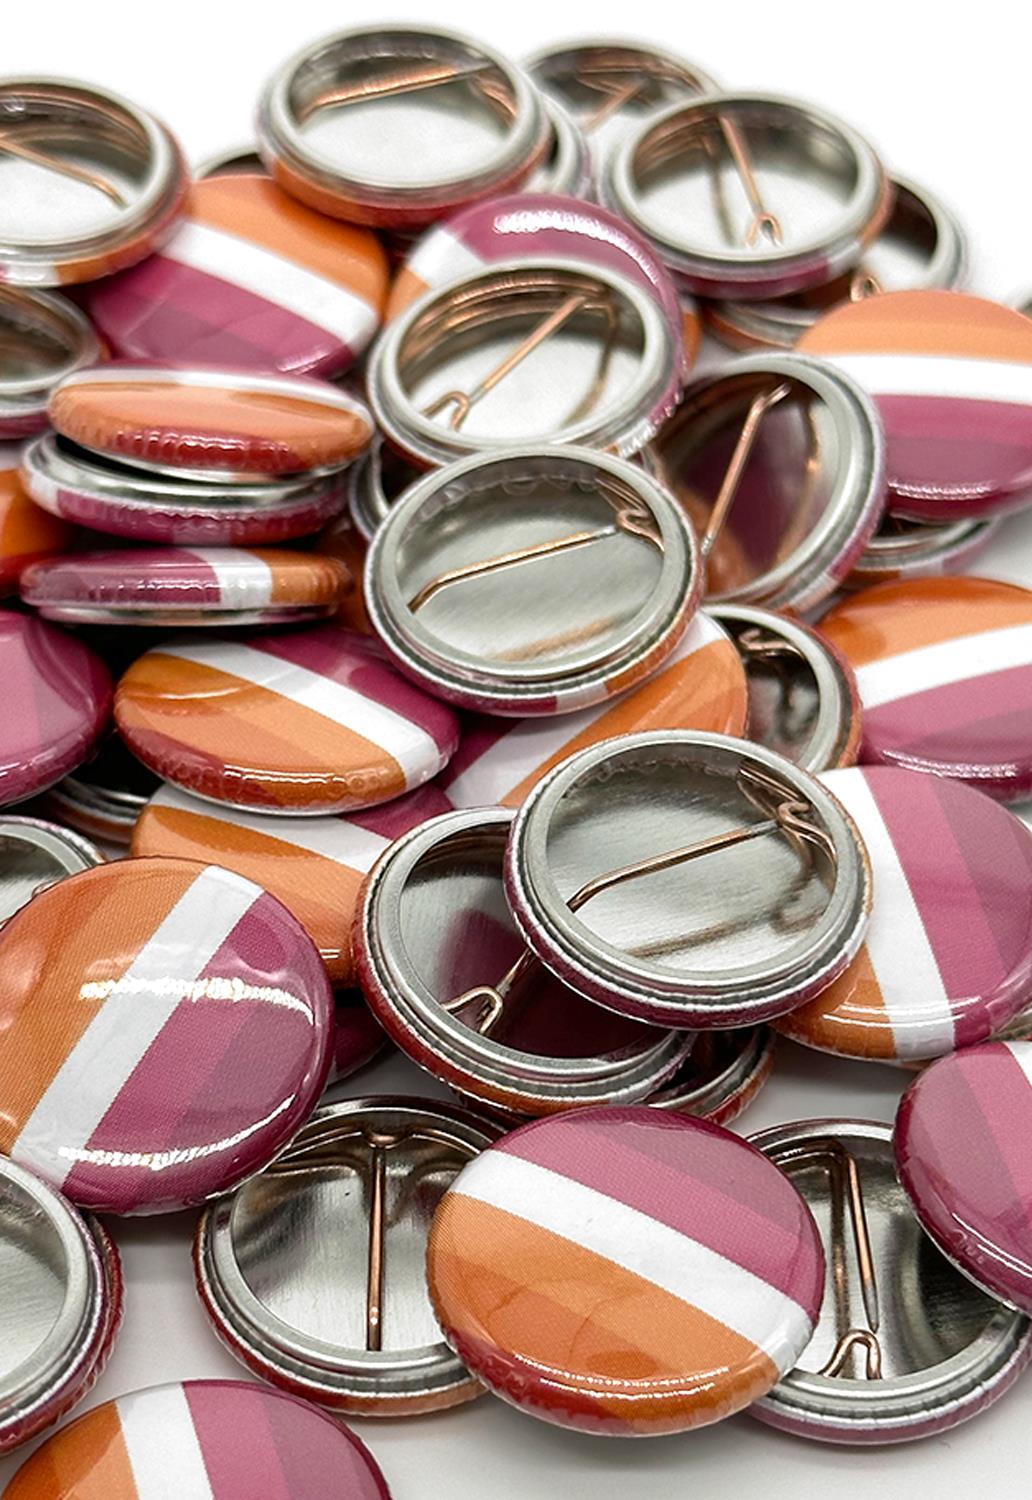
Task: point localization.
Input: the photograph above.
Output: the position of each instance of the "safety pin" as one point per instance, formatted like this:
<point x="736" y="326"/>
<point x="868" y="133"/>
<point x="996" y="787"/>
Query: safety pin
<point x="389" y="85"/>
<point x="583" y="301"/>
<point x="62" y="168"/>
<point x="762" y="221"/>
<point x="632" y="518"/>
<point x="864" y="284"/>
<point x="758" y="409"/>
<point x="846" y="1189"/>
<point x="787" y="814"/>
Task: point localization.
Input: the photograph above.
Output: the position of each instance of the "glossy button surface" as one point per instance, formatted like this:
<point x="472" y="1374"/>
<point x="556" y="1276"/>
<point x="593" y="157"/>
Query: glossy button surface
<point x="315" y="866"/>
<point x="194" y="587"/>
<point x="57" y="696"/>
<point x="701" y="686"/>
<point x="952" y="378"/>
<point x="26" y="531"/>
<point x="250" y="278"/>
<point x="201" y="1440"/>
<point x="961" y="1145"/>
<point x="626" y="1272"/>
<point x="948" y="956"/>
<point x="944" y="671"/>
<point x="302" y="722"/>
<point x="169" y="1045"/>
<point x="208" y="419"/>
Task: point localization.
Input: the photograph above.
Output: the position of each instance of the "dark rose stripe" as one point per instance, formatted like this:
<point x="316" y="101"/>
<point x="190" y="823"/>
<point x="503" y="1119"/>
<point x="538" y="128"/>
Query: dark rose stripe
<point x="238" y="1446"/>
<point x="981" y="722"/>
<point x="943" y="450"/>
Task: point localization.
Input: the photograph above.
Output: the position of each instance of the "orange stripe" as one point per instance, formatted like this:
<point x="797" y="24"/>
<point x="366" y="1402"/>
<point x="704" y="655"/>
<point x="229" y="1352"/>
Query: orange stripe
<point x="321" y="894"/>
<point x="254" y="208"/>
<point x="87" y="1460"/>
<point x="301" y="578"/>
<point x="499" y="1278"/>
<point x="225" y="718"/>
<point x="929" y="322"/>
<point x="405" y="290"/>
<point x="345" y="542"/>
<point x="26" y="529"/>
<point x="706" y="690"/>
<point x="81" y="931"/>
<point x="893" y="617"/>
<point x="849" y="1017"/>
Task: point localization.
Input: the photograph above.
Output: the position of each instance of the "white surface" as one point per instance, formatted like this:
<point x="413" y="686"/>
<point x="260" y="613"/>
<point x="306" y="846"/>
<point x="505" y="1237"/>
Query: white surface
<point x="944" y="95"/>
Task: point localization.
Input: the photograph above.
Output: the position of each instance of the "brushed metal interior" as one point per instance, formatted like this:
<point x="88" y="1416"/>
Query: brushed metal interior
<point x="33" y="855"/>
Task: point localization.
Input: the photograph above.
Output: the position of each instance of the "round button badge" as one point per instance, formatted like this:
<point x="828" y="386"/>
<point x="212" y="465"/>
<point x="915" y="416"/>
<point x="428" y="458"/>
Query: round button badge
<point x="27" y="532"/>
<point x="625" y="1271"/>
<point x="169" y="1046"/>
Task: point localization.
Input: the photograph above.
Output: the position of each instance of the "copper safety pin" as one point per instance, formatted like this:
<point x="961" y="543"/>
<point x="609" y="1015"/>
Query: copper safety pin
<point x="576" y="302"/>
<point x="63" y="168"/>
<point x="632" y="519"/>
<point x="846" y="1190"/>
<point x="787" y="814"/>
<point x="864" y="284"/>
<point x="642" y="70"/>
<point x="763" y="220"/>
<point x="389" y="85"/>
<point x="758" y="409"/>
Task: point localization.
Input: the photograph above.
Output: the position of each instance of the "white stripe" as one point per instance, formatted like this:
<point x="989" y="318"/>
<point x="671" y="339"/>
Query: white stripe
<point x="532" y="742"/>
<point x="410" y="745"/>
<point x="271" y="275"/>
<point x="441" y="256"/>
<point x="244" y="580"/>
<point x="335" y="839"/>
<point x="938" y="375"/>
<point x="640" y="1244"/>
<point x="318" y="392"/>
<point x="129" y="1020"/>
<point x="164" y="1451"/>
<point x="963" y="657"/>
<point x="904" y="964"/>
<point x="1022" y="1055"/>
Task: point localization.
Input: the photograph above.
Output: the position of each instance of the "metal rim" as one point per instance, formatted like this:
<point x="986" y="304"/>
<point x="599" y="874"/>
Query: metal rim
<point x="66" y="325"/>
<point x="924" y="547"/>
<point x="542" y="65"/>
<point x="69" y="851"/>
<point x="566" y="168"/>
<point x="517" y="687"/>
<point x="624" y="425"/>
<point x="826" y="554"/>
<point x="911" y="1405"/>
<point x="734" y="1085"/>
<point x="280" y="135"/>
<point x="750" y="992"/>
<point x="368" y="1382"/>
<point x="528" y="1080"/>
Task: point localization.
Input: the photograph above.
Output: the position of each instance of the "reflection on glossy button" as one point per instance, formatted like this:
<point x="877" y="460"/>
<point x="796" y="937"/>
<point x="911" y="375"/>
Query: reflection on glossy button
<point x="624" y="1271"/>
<point x="164" y="1028"/>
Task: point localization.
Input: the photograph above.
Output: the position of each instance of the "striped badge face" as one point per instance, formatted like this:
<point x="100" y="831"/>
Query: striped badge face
<point x="210" y="419"/>
<point x="947" y="959"/>
<point x="944" y="671"/>
<point x="951" y="375"/>
<point x="701" y="686"/>
<point x="164" y="1028"/>
<point x="178" y="581"/>
<point x="57" y="700"/>
<point x="27" y="533"/>
<point x="251" y="279"/>
<point x="624" y="1271"/>
<point x="201" y="1440"/>
<point x="961" y="1140"/>
<point x="300" y="722"/>
<point x="315" y="866"/>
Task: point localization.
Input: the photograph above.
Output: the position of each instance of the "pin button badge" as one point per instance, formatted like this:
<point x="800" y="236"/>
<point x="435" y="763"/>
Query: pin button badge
<point x="951" y="375"/>
<point x="172" y="1046"/>
<point x="42" y="339"/>
<point x="721" y="1075"/>
<point x="62" y="1308"/>
<point x="223" y="1437"/>
<point x="75" y="214"/>
<point x="946" y="862"/>
<point x="701" y="685"/>
<point x="624" y="1271"/>
<point x="104" y="797"/>
<point x="905" y="1347"/>
<point x="250" y="279"/>
<point x="340" y="1220"/>
<point x="944" y="671"/>
<point x="432" y="936"/>
<point x="58" y="695"/>
<point x="902" y="548"/>
<point x="690" y="880"/>
<point x="532" y="580"/>
<point x="779" y="464"/>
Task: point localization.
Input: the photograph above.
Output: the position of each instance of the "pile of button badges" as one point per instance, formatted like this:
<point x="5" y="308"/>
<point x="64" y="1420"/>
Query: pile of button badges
<point x="615" y="720"/>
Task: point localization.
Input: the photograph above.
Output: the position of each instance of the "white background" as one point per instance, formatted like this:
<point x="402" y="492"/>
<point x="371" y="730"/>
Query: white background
<point x="943" y="92"/>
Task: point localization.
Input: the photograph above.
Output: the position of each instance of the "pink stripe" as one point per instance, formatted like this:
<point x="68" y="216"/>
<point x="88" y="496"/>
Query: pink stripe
<point x="736" y="1204"/>
<point x="137" y="574"/>
<point x="163" y="310"/>
<point x="241" y="1453"/>
<point x="391" y="819"/>
<point x="357" y="662"/>
<point x="945" y="452"/>
<point x="358" y="1035"/>
<point x="321" y="1458"/>
<point x="244" y="1060"/>
<point x="57" y="697"/>
<point x="1004" y="1097"/>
